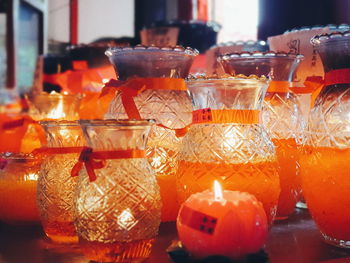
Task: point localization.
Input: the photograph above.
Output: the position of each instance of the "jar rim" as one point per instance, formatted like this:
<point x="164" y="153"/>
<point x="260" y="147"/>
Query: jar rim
<point x="241" y="43"/>
<point x="117" y="122"/>
<point x="332" y="27"/>
<point x="252" y="79"/>
<point x="18" y="156"/>
<point x="61" y="123"/>
<point x="330" y="38"/>
<point x="259" y="55"/>
<point x="53" y="94"/>
<point x="178" y="50"/>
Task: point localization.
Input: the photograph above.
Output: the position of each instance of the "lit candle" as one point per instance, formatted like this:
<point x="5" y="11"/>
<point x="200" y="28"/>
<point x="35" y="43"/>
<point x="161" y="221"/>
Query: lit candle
<point x="226" y="223"/>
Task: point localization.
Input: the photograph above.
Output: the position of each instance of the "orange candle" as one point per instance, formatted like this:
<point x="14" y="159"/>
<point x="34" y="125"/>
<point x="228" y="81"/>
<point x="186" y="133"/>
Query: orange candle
<point x="226" y="223"/>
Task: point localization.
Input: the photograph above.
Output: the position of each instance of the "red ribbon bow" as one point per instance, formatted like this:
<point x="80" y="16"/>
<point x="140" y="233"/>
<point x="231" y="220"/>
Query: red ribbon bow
<point x="96" y="160"/>
<point x="131" y="88"/>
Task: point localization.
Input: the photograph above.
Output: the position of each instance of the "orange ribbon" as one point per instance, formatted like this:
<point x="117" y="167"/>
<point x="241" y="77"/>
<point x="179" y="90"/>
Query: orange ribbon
<point x="57" y="150"/>
<point x="132" y="87"/>
<point x="314" y="84"/>
<point x="279" y="86"/>
<point x="96" y="160"/>
<point x="226" y="116"/>
<point x="337" y="76"/>
<point x="24" y="122"/>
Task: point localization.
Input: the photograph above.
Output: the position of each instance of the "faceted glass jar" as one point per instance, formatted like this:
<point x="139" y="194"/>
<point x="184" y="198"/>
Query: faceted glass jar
<point x="281" y="115"/>
<point x="55" y="184"/>
<point x="239" y="155"/>
<point x="18" y="188"/>
<point x="169" y="107"/>
<point x="325" y="161"/>
<point x="57" y="106"/>
<point x="118" y="214"/>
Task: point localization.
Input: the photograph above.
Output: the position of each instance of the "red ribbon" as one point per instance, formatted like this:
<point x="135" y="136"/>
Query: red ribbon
<point x="3" y="163"/>
<point x="198" y="220"/>
<point x="57" y="150"/>
<point x="96" y="160"/>
<point x="337" y="76"/>
<point x="17" y="123"/>
<point x="131" y="88"/>
<point x="209" y="115"/>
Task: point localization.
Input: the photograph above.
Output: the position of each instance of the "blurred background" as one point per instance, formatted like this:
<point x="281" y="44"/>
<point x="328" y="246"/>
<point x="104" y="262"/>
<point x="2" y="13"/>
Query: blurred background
<point x="73" y="30"/>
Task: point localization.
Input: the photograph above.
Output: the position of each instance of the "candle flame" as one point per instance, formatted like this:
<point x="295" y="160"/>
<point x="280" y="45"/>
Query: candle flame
<point x="217" y="190"/>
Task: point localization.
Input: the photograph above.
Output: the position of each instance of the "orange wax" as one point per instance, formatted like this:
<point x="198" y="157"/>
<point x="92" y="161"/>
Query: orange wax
<point x="163" y="162"/>
<point x="170" y="205"/>
<point x="287" y="156"/>
<point x="260" y="179"/>
<point x="326" y="188"/>
<point x="11" y="138"/>
<point x="18" y="201"/>
<point x="232" y="225"/>
<point x="31" y="140"/>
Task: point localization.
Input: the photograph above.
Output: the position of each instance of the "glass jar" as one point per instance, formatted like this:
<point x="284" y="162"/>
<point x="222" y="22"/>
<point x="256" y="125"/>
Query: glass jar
<point x="227" y="142"/>
<point x="212" y="55"/>
<point x="325" y="161"/>
<point x="54" y="106"/>
<point x="18" y="184"/>
<point x="118" y="210"/>
<point x="281" y="115"/>
<point x="159" y="73"/>
<point x="55" y="184"/>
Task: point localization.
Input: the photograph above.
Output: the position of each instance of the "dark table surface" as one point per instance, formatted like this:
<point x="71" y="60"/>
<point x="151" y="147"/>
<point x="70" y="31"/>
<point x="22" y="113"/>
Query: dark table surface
<point x="295" y="240"/>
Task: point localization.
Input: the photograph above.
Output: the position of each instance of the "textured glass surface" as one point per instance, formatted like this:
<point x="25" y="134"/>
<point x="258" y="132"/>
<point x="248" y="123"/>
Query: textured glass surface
<point x="329" y="123"/>
<point x="168" y="107"/>
<point x="55" y="184"/>
<point x="240" y="156"/>
<point x="122" y="205"/>
<point x="56" y="188"/>
<point x="325" y="159"/>
<point x="281" y="115"/>
<point x="117" y="216"/>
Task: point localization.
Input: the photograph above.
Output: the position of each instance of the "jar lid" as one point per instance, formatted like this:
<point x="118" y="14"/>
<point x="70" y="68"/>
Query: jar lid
<point x="141" y="48"/>
<point x="226" y="77"/>
<point x="332" y="27"/>
<point x="330" y="37"/>
<point x="258" y="54"/>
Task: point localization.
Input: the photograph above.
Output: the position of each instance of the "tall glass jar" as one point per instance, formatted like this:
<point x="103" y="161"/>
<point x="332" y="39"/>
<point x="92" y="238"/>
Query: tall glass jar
<point x="325" y="161"/>
<point x="281" y="115"/>
<point x="227" y="142"/>
<point x="157" y="74"/>
<point x="18" y="188"/>
<point x="55" y="184"/>
<point x="118" y="213"/>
